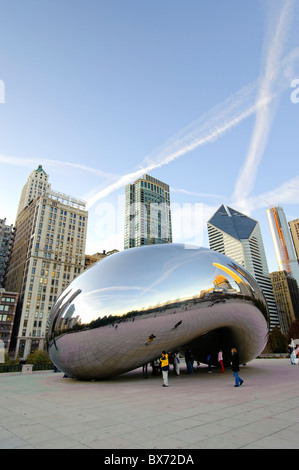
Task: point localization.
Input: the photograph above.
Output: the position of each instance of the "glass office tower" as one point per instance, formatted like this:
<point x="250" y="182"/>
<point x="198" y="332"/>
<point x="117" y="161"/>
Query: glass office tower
<point x="239" y="237"/>
<point x="147" y="213"/>
<point x="284" y="248"/>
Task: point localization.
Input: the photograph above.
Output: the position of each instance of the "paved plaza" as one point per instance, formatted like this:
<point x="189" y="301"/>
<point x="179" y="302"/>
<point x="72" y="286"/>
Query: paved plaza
<point x="200" y="411"/>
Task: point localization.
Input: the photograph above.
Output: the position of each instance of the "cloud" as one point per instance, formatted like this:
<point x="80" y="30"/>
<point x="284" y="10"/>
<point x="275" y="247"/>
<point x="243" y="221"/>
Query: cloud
<point x="286" y="193"/>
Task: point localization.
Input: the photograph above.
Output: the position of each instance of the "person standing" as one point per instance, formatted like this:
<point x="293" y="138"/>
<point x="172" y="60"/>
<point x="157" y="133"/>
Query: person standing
<point x="292" y="355"/>
<point x="209" y="361"/>
<point x="164" y="367"/>
<point x="235" y="367"/>
<point x="189" y="360"/>
<point x="220" y="360"/>
<point x="176" y="362"/>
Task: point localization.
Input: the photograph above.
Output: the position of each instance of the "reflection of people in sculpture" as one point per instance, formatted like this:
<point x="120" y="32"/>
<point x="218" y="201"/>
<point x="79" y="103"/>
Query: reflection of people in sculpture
<point x="164" y="367"/>
<point x="150" y="339"/>
<point x="177" y="324"/>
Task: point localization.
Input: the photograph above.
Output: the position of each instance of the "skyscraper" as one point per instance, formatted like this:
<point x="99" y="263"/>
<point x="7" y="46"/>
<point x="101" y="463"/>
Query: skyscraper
<point x="294" y="228"/>
<point x="283" y="245"/>
<point x="286" y="294"/>
<point x="48" y="253"/>
<point x="36" y="185"/>
<point x="147" y="213"/>
<point x="239" y="237"/>
<point x="7" y="234"/>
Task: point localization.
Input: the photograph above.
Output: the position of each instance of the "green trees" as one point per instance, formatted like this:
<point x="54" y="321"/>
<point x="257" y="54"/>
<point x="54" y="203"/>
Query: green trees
<point x="277" y="341"/>
<point x="38" y="357"/>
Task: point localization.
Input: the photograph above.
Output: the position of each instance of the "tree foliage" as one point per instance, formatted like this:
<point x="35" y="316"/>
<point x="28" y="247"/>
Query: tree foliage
<point x="277" y="341"/>
<point x="38" y="357"/>
<point x="293" y="332"/>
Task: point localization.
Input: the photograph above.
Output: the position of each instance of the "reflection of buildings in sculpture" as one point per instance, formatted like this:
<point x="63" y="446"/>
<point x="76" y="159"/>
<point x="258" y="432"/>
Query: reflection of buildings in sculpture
<point x="48" y="253"/>
<point x="86" y="348"/>
<point x="220" y="282"/>
<point x="147" y="213"/>
<point x="284" y="249"/>
<point x="91" y="259"/>
<point x="63" y="307"/>
<point x="238" y="237"/>
<point x="286" y="295"/>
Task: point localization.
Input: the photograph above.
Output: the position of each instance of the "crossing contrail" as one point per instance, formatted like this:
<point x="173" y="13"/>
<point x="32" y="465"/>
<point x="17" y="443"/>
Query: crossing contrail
<point x="259" y="98"/>
<point x="210" y="127"/>
<point x="270" y="85"/>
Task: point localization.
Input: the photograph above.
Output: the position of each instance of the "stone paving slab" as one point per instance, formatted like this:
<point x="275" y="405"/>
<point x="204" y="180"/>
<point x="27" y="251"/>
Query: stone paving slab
<point x="199" y="411"/>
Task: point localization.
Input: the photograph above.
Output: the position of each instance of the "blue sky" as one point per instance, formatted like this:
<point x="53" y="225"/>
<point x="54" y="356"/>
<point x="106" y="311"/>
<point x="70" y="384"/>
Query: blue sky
<point x="201" y="95"/>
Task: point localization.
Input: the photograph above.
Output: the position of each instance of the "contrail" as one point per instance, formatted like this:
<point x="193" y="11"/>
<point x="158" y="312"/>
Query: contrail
<point x="268" y="87"/>
<point x="29" y="162"/>
<point x="207" y="129"/>
<point x="225" y="116"/>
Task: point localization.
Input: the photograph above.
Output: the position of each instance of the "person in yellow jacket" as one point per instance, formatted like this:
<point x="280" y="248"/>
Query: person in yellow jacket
<point x="164" y="367"/>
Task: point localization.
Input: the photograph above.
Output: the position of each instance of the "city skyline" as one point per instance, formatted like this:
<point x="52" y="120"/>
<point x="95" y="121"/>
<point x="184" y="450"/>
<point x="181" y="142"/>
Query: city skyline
<point x="201" y="96"/>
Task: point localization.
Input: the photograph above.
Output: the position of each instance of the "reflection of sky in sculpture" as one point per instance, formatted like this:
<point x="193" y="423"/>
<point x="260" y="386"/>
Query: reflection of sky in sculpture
<point x="140" y="291"/>
<point x="115" y="305"/>
<point x="136" y="289"/>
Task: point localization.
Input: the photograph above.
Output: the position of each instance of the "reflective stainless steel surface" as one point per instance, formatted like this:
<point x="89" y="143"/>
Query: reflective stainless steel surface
<point x="123" y="311"/>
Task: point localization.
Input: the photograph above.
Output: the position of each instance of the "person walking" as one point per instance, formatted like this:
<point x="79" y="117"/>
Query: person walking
<point x="189" y="360"/>
<point x="235" y="367"/>
<point x="220" y="360"/>
<point x="164" y="367"/>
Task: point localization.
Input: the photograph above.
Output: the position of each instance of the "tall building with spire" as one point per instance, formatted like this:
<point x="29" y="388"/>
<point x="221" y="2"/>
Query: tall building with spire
<point x="48" y="253"/>
<point x="36" y="185"/>
<point x="147" y="213"/>
<point x="282" y="240"/>
<point x="239" y="237"/>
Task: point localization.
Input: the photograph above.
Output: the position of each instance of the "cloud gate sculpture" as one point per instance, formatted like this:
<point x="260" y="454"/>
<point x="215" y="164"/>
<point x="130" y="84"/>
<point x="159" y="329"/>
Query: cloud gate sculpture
<point x="123" y="311"/>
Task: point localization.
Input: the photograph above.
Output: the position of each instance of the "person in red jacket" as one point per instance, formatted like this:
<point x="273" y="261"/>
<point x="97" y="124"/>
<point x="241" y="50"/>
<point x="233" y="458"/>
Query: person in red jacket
<point x="220" y="360"/>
